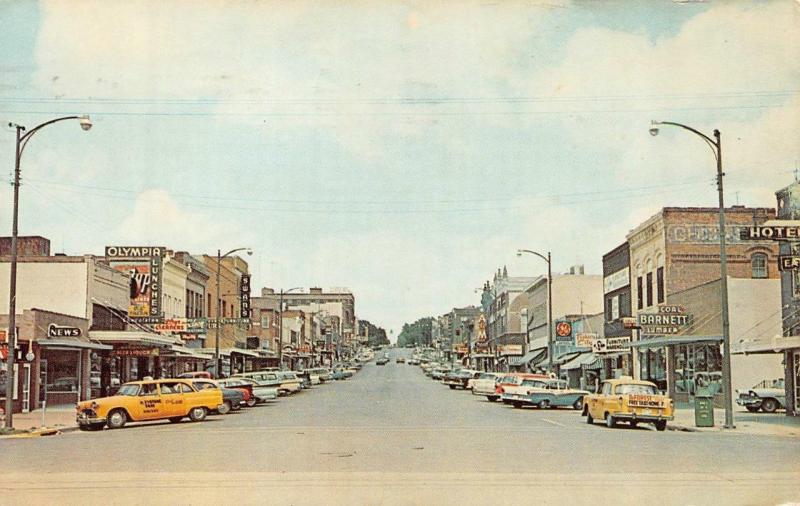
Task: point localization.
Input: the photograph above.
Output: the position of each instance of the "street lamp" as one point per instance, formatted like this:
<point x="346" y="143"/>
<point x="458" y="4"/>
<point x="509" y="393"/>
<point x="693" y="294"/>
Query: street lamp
<point x="280" y="323"/>
<point x="716" y="147"/>
<point x="220" y="256"/>
<point x="549" y="304"/>
<point x="22" y="140"/>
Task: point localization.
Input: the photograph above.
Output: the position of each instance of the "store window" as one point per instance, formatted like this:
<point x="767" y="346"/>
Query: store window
<point x="759" y="265"/>
<point x="639" y="293"/>
<point x="62" y="371"/>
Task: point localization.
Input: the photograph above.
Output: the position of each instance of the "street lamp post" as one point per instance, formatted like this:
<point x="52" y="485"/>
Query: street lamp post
<point x="22" y="140"/>
<point x="280" y="324"/>
<point x="549" y="304"/>
<point x="716" y="147"/>
<point x="220" y="256"/>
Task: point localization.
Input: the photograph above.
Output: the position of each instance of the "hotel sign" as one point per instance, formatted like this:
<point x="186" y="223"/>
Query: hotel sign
<point x="771" y="232"/>
<point x="670" y="319"/>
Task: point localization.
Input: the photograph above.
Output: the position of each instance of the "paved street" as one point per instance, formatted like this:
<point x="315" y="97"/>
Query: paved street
<point x="390" y="435"/>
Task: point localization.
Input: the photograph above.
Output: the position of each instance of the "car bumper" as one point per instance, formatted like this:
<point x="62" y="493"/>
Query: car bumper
<point x="83" y="419"/>
<point x="642" y="417"/>
<point x="748" y="401"/>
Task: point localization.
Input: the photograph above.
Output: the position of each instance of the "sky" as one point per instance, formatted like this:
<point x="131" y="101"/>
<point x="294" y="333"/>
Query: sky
<point x="404" y="150"/>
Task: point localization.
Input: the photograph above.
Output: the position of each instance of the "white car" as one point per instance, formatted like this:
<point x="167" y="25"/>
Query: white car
<point x="485" y="384"/>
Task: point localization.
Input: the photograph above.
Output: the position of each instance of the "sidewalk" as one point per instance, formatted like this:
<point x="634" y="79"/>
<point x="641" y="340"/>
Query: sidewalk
<point x="61" y="418"/>
<point x="757" y="424"/>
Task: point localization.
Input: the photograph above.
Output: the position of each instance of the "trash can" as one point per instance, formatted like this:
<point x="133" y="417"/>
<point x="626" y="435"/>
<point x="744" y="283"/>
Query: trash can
<point x="704" y="408"/>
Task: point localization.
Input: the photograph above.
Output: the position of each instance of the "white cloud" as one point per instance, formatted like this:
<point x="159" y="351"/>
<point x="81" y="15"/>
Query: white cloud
<point x="159" y="220"/>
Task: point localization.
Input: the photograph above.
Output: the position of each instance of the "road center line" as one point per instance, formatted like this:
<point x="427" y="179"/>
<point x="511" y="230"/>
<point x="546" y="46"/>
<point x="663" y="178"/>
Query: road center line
<point x="551" y="421"/>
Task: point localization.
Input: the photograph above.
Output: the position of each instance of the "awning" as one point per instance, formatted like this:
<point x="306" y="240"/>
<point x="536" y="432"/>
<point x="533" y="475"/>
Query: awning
<point x="128" y="337"/>
<point x="587" y="359"/>
<point x="242" y="351"/>
<point x="73" y="343"/>
<point x="223" y="352"/>
<point x="531" y="355"/>
<point x="183" y="351"/>
<point x="777" y="344"/>
<point x="661" y="342"/>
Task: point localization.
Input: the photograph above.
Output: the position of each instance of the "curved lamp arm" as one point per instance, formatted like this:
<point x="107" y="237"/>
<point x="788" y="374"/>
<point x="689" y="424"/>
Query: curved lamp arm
<point x="86" y="124"/>
<point x="711" y="143"/>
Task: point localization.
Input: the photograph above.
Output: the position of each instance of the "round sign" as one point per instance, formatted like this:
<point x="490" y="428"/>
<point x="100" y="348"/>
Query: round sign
<point x="563" y="329"/>
<point x="30" y="356"/>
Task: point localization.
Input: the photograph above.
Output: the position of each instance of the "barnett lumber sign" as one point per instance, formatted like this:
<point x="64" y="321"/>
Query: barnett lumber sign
<point x="670" y="319"/>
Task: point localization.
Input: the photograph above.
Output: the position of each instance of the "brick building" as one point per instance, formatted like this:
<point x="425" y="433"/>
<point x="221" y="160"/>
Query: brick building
<point x="678" y="249"/>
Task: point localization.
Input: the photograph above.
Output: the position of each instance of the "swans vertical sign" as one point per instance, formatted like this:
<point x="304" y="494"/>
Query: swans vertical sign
<point x="144" y="266"/>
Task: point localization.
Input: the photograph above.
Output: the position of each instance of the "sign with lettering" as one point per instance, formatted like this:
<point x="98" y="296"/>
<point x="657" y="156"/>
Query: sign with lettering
<point x="143" y="265"/>
<point x="54" y="330"/>
<point x="510" y="349"/>
<point x="670" y="319"/>
<point x="702" y="233"/>
<point x="585" y="339"/>
<point x="617" y="280"/>
<point x="134" y="351"/>
<point x="611" y="345"/>
<point x="788" y="262"/>
<point x="172" y="325"/>
<point x="771" y="232"/>
<point x="244" y="295"/>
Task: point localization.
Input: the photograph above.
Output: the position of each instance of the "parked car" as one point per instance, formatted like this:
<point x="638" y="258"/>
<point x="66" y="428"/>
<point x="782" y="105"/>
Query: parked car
<point x="767" y="396"/>
<point x="460" y="378"/>
<point x="517" y="383"/>
<point x="172" y="399"/>
<point x="626" y="399"/>
<point x="400" y="360"/>
<point x="272" y="378"/>
<point x="382" y="361"/>
<point x="557" y="394"/>
<point x="519" y="396"/>
<point x="232" y="398"/>
<point x="246" y="388"/>
<point x="289" y="381"/>
<point x="486" y="385"/>
<point x="259" y="392"/>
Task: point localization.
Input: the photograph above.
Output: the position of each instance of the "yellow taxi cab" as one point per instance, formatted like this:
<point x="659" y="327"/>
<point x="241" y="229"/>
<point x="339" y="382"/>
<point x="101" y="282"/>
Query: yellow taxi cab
<point x="137" y="401"/>
<point x="630" y="400"/>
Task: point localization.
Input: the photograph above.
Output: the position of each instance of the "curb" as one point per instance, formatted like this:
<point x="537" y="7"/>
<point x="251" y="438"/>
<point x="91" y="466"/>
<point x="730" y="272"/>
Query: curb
<point x="41" y="431"/>
<point x="681" y="428"/>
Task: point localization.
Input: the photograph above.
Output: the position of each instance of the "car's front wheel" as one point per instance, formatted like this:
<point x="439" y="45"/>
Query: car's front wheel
<point x="578" y="404"/>
<point x="117" y="419"/>
<point x="224" y="408"/>
<point x="198" y="414"/>
<point x="769" y="405"/>
<point x="452" y="387"/>
<point x="611" y="422"/>
<point x="251" y="402"/>
<point x="589" y="418"/>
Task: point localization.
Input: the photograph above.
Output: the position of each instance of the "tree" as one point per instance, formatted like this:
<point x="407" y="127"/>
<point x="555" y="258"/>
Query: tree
<point x="418" y="333"/>
<point x="377" y="335"/>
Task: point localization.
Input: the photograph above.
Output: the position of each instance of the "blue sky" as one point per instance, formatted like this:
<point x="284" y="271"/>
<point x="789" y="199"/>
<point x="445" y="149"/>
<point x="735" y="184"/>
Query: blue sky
<point x="403" y="150"/>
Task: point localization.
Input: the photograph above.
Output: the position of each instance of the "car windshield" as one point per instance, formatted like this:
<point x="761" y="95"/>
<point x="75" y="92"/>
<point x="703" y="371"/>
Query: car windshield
<point x="486" y="376"/>
<point x="532" y="383"/>
<point x="130" y="390"/>
<point x="636" y="389"/>
<point x="512" y="380"/>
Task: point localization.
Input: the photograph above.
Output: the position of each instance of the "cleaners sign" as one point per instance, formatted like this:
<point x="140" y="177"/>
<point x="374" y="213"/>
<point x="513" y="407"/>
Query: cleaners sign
<point x="670" y="319"/>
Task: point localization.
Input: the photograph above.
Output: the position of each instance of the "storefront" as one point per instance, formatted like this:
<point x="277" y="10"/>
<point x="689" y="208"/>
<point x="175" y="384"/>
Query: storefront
<point x="53" y="361"/>
<point x="680" y="365"/>
<point x="134" y="356"/>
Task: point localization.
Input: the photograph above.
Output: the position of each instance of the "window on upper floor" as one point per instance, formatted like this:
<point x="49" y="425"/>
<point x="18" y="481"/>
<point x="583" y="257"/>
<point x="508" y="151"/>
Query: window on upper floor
<point x="639" y="293"/>
<point x="649" y="289"/>
<point x="758" y="262"/>
<point x="660" y="285"/>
